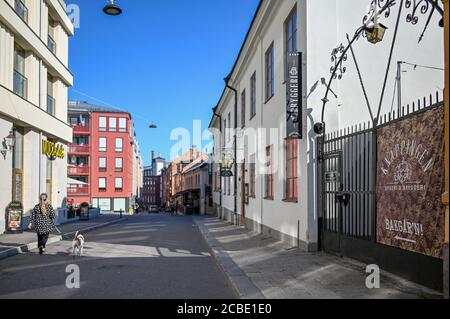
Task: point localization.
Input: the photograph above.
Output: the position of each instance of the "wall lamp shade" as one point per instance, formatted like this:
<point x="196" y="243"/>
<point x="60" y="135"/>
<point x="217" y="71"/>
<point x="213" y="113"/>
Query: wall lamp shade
<point x="112" y="9"/>
<point x="376" y="33"/>
<point x="10" y="140"/>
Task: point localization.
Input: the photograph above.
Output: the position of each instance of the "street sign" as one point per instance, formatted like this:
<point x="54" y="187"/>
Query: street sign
<point x="294" y="108"/>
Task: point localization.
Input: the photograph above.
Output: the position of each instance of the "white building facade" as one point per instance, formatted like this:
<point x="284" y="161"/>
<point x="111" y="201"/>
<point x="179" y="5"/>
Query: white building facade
<point x="34" y="80"/>
<point x="273" y="189"/>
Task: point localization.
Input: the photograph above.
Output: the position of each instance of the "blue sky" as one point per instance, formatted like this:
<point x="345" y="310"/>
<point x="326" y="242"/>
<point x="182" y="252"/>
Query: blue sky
<point x="162" y="61"/>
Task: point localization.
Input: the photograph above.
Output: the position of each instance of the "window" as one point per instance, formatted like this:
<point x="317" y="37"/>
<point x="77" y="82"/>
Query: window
<point x="229" y="127"/>
<point x="270" y="73"/>
<point x="51" y="44"/>
<point x="122" y="125"/>
<point x="252" y="167"/>
<point x="49" y="177"/>
<point x="291" y="170"/>
<point x="17" y="165"/>
<point x="243" y="109"/>
<point x="290" y="36"/>
<point x="119" y="184"/>
<point x="102" y="144"/>
<point x="119" y="144"/>
<point x="102" y="184"/>
<point x="20" y="84"/>
<point x="102" y="124"/>
<point x="102" y="167"/>
<point x="269" y="172"/>
<point x="21" y="10"/>
<point x="253" y="95"/>
<point x="217" y="184"/>
<point x="112" y="124"/>
<point x="119" y="164"/>
<point x="50" y="98"/>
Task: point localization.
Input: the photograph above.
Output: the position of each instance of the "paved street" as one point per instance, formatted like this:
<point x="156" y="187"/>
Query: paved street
<point x="151" y="256"/>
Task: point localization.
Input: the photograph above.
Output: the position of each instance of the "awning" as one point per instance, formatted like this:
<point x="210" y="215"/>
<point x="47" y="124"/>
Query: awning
<point x="71" y="181"/>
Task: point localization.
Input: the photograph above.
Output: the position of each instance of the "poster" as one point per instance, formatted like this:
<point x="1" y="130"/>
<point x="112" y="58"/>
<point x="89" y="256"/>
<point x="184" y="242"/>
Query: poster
<point x="410" y="183"/>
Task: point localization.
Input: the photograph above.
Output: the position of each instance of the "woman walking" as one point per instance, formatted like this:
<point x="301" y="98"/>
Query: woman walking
<point x="42" y="218"/>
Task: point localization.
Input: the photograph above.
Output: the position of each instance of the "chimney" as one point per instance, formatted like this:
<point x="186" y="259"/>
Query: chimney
<point x="153" y="155"/>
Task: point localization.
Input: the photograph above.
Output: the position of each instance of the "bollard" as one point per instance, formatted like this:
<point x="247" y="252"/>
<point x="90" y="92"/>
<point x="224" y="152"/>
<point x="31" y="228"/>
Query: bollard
<point x="121" y="213"/>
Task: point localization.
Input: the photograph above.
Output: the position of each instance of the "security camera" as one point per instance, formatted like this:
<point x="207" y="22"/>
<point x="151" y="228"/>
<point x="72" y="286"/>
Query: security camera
<point x="318" y="128"/>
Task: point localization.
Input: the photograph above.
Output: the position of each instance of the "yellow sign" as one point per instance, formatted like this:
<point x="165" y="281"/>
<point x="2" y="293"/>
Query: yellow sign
<point x="53" y="150"/>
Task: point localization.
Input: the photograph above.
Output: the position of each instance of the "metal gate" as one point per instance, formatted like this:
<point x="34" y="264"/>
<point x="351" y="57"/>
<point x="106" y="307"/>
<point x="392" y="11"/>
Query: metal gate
<point x="347" y="200"/>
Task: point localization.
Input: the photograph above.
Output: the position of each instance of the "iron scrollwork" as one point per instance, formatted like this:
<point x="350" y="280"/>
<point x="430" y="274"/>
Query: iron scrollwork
<point x="338" y="56"/>
<point x="412" y="17"/>
<point x="376" y="7"/>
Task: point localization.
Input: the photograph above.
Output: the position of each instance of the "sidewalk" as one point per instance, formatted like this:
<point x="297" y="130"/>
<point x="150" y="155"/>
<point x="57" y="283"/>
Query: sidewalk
<point x="262" y="267"/>
<point x="13" y="244"/>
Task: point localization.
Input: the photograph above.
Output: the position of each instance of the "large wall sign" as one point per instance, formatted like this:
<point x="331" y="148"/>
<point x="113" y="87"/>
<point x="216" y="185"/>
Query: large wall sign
<point x="294" y="124"/>
<point x="52" y="150"/>
<point x="410" y="182"/>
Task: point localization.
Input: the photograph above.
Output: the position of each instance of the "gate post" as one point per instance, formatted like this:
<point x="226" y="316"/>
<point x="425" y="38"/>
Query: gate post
<point x="446" y="110"/>
<point x="374" y="178"/>
<point x="320" y="187"/>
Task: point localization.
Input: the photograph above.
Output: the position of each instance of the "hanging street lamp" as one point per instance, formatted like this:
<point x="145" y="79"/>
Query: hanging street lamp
<point x="376" y="33"/>
<point x="112" y="9"/>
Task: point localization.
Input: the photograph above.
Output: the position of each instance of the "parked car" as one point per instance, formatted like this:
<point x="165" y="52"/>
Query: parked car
<point x="153" y="209"/>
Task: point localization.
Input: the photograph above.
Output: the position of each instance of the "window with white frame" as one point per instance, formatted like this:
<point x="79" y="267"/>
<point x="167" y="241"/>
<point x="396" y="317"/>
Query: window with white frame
<point x="119" y="184"/>
<point x="102" y="144"/>
<point x="102" y="184"/>
<point x="119" y="164"/>
<point x="119" y="144"/>
<point x="122" y="124"/>
<point x="102" y="124"/>
<point x="113" y="124"/>
<point x="102" y="164"/>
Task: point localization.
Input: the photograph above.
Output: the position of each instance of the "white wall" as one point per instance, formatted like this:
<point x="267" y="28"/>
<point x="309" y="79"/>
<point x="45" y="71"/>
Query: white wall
<point x="5" y="172"/>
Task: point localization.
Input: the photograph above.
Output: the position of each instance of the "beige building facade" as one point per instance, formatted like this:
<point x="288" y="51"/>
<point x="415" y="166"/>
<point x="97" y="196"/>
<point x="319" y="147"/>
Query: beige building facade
<point x="34" y="81"/>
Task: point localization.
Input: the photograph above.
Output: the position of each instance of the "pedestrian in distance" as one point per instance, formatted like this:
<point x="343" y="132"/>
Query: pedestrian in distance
<point x="42" y="218"/>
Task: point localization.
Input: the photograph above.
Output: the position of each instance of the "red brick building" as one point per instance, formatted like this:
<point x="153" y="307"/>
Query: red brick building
<point x="101" y="157"/>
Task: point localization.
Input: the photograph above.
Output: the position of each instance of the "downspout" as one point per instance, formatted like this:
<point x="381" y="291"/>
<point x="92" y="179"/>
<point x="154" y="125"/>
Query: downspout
<point x="227" y="82"/>
<point x="220" y="129"/>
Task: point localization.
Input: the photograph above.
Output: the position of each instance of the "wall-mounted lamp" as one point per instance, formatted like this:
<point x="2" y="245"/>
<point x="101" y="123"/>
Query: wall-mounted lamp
<point x="8" y="144"/>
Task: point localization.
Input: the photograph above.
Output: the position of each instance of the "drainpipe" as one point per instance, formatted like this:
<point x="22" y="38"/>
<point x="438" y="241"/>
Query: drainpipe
<point x="227" y="82"/>
<point x="220" y="129"/>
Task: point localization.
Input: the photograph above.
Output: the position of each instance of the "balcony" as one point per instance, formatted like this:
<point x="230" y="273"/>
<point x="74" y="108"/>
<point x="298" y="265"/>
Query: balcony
<point x="78" y="190"/>
<point x="79" y="149"/>
<point x="20" y="84"/>
<point x="21" y="10"/>
<point x="51" y="44"/>
<point x="78" y="170"/>
<point x="81" y="129"/>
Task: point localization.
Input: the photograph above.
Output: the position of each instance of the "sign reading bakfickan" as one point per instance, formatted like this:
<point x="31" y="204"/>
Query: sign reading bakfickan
<point x="410" y="181"/>
<point x="294" y="124"/>
<point x="52" y="150"/>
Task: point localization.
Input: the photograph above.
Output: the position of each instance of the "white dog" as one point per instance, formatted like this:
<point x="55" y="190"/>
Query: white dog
<point x="78" y="244"/>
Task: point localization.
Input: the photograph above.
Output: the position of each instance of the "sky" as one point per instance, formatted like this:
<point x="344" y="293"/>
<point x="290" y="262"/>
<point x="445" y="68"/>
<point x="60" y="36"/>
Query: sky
<point x="162" y="61"/>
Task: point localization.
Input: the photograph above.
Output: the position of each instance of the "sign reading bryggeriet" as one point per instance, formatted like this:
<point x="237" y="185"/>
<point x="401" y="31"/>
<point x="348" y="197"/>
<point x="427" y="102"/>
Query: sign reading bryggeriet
<point x="410" y="183"/>
<point x="294" y="111"/>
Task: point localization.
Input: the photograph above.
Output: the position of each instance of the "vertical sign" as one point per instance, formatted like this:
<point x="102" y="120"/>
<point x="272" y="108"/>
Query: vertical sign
<point x="294" y="124"/>
<point x="410" y="181"/>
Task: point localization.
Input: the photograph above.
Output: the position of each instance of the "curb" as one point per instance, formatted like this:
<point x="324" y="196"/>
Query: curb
<point x="34" y="245"/>
<point x="242" y="284"/>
